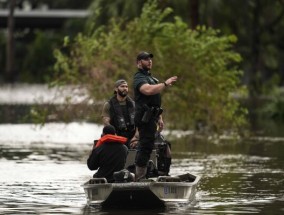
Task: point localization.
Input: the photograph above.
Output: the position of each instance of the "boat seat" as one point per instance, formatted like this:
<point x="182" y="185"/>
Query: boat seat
<point x="98" y="181"/>
<point x="168" y="179"/>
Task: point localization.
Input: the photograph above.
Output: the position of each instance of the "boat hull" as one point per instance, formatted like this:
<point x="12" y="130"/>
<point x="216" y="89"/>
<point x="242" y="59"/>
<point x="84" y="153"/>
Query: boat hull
<point x="150" y="193"/>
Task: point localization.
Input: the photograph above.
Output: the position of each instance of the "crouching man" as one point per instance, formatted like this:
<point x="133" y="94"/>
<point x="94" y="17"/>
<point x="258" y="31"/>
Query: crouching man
<point x="108" y="154"/>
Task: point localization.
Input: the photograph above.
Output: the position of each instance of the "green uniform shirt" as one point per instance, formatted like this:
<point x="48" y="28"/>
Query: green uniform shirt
<point x="143" y="77"/>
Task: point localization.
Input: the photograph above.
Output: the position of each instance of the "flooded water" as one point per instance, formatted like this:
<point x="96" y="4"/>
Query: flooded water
<point x="41" y="172"/>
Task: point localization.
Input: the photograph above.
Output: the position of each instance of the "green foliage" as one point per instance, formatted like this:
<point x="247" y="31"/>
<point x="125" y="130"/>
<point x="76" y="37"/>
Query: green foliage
<point x="39" y="115"/>
<point x="37" y="58"/>
<point x="259" y="27"/>
<point x="273" y="108"/>
<point x="203" y="59"/>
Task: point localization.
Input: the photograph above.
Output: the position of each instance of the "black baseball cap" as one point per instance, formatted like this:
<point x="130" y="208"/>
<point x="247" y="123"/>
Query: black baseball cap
<point x="144" y="55"/>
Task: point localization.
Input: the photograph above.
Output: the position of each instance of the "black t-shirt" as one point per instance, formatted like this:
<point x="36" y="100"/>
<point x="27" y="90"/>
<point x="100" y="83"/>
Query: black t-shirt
<point x="142" y="77"/>
<point x="109" y="158"/>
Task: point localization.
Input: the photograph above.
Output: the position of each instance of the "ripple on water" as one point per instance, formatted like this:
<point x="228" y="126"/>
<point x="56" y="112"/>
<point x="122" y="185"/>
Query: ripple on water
<point x="42" y="176"/>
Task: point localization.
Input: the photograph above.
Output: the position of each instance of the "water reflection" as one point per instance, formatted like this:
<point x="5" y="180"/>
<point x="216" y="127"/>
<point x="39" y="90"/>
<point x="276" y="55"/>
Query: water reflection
<point x="44" y="176"/>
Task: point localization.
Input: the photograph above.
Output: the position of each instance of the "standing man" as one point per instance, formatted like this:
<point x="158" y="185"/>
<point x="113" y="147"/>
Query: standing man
<point x="119" y="112"/>
<point x="148" y="109"/>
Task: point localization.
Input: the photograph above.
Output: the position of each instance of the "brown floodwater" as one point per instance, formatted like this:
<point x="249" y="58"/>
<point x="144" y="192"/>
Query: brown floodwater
<point x="42" y="174"/>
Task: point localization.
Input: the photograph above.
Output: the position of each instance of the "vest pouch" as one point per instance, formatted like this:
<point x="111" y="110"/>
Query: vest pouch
<point x="121" y="124"/>
<point x="132" y="117"/>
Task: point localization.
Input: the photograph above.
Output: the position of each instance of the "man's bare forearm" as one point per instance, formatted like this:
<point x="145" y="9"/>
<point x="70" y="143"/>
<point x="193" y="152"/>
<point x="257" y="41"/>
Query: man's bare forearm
<point x="106" y="120"/>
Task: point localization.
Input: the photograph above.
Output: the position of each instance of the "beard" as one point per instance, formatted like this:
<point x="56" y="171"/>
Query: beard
<point x="122" y="93"/>
<point x="146" y="67"/>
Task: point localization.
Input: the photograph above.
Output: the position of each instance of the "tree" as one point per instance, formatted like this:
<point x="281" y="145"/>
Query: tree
<point x="194" y="11"/>
<point x="10" y="43"/>
<point x="259" y="27"/>
<point x="203" y="59"/>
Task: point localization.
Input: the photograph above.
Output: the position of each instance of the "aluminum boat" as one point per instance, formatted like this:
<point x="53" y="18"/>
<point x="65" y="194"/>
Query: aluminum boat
<point x="148" y="193"/>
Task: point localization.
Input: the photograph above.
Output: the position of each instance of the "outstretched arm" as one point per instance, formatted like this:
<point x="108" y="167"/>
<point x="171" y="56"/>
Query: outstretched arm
<point x="148" y="89"/>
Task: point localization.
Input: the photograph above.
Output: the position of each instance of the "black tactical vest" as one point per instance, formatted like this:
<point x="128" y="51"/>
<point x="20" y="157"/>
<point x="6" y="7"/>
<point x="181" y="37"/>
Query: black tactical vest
<point x="122" y="117"/>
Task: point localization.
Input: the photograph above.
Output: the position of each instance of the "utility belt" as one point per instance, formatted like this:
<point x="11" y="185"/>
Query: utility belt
<point x="151" y="113"/>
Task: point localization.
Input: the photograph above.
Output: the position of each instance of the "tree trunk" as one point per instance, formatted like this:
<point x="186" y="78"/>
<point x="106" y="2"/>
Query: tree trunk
<point x="194" y="13"/>
<point x="10" y="43"/>
<point x="254" y="79"/>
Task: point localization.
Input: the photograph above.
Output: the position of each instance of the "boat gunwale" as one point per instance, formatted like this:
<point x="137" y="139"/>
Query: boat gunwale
<point x="141" y="185"/>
